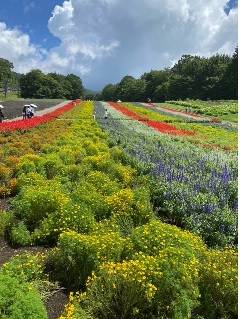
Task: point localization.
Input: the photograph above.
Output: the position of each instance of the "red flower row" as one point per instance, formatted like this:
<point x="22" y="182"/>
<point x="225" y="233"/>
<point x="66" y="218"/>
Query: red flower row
<point x="127" y="112"/>
<point x="158" y="126"/>
<point x="37" y="120"/>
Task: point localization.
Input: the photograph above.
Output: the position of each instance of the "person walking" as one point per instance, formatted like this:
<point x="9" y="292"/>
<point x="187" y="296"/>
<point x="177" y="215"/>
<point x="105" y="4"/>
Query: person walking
<point x="24" y="112"/>
<point x="1" y="116"/>
<point x="106" y="114"/>
<point x="29" y="111"/>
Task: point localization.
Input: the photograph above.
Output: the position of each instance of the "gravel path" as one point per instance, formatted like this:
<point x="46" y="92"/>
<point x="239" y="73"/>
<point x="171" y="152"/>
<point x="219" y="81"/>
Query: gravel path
<point x="42" y="112"/>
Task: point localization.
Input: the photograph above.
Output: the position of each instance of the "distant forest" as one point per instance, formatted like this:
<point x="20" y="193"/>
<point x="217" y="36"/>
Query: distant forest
<point x="192" y="77"/>
<point x="36" y="84"/>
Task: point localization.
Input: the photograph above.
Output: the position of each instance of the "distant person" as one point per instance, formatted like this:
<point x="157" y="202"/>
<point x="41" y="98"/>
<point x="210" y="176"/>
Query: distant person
<point x="1" y="116"/>
<point x="106" y="114"/>
<point x="32" y="110"/>
<point x="29" y="112"/>
<point x="94" y="115"/>
<point x="24" y="112"/>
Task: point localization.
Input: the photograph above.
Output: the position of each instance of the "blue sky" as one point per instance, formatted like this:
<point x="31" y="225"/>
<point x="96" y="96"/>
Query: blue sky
<point x="31" y="17"/>
<point x="103" y="40"/>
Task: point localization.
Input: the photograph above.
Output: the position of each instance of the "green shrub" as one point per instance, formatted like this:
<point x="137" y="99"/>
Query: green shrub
<point x="86" y="194"/>
<point x="28" y="164"/>
<point x="155" y="236"/>
<point x="74" y="172"/>
<point x="25" y="267"/>
<point x="30" y="179"/>
<point x="34" y="203"/>
<point x="217" y="229"/>
<point x="132" y="205"/>
<point x="79" y="255"/>
<point x="19" y="300"/>
<point x="164" y="286"/>
<point x="218" y="284"/>
<point x="5" y="221"/>
<point x="118" y="154"/>
<point x="67" y="155"/>
<point x="102" y="182"/>
<point x="76" y="217"/>
<point x="20" y="235"/>
<point x="51" y="165"/>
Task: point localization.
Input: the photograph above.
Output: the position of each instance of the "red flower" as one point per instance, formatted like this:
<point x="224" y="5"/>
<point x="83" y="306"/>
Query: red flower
<point x="37" y="120"/>
<point x="158" y="126"/>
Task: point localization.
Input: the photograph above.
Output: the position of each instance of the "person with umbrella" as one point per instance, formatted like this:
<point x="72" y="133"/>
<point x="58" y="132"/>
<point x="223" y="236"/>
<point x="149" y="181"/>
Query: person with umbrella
<point x="1" y="113"/>
<point x="33" y="107"/>
<point x="24" y="111"/>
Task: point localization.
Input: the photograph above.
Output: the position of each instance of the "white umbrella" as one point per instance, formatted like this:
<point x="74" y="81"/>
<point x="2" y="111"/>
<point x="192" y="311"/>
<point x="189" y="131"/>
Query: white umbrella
<point x="27" y="105"/>
<point x="1" y="106"/>
<point x="34" y="105"/>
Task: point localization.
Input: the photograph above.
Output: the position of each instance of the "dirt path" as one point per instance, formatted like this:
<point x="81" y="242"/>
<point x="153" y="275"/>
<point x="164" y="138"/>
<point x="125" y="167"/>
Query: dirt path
<point x="42" y="112"/>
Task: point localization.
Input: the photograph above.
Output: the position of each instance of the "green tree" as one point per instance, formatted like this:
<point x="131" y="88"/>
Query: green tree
<point x="109" y="93"/>
<point x="32" y="84"/>
<point x="5" y="74"/>
<point x="74" y="87"/>
<point x="130" y="89"/>
<point x="153" y="80"/>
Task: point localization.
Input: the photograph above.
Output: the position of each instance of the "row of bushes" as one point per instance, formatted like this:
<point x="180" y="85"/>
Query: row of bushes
<point x="158" y="271"/>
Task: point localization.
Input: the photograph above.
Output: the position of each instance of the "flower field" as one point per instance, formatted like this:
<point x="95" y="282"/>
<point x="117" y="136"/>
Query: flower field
<point x="224" y="110"/>
<point x="138" y="220"/>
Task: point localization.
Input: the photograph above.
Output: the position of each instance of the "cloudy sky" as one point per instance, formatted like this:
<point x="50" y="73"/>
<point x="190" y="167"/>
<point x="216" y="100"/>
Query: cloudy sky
<point x="103" y="40"/>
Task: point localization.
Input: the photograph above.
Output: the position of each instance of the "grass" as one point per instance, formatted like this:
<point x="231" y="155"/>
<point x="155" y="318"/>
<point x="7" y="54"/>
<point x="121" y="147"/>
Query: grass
<point x="10" y="97"/>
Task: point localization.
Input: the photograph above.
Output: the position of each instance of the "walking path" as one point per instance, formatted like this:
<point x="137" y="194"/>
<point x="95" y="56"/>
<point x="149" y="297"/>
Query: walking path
<point x="170" y="111"/>
<point x="42" y="112"/>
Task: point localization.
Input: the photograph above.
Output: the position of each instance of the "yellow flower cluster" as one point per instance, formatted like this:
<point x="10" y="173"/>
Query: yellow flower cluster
<point x="69" y="309"/>
<point x="120" y="201"/>
<point x="156" y="236"/>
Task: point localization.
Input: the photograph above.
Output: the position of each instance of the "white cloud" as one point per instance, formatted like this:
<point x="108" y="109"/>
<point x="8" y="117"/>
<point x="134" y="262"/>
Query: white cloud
<point x="103" y="40"/>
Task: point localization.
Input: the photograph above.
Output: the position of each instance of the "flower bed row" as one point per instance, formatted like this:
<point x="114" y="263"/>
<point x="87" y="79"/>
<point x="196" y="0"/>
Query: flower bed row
<point x="212" y="135"/>
<point x="192" y="187"/>
<point x="159" y="126"/>
<point x="80" y="191"/>
<point x="37" y="120"/>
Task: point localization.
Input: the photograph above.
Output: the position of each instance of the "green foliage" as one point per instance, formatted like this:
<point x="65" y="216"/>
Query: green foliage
<point x="164" y="286"/>
<point x="109" y="92"/>
<point x="19" y="300"/>
<point x="76" y="217"/>
<point x="218" y="229"/>
<point x="25" y="267"/>
<point x="155" y="236"/>
<point x="36" y="84"/>
<point x="192" y="77"/>
<point x="20" y="235"/>
<point x="218" y="284"/>
<point x="5" y="222"/>
<point x="80" y="254"/>
<point x="34" y="203"/>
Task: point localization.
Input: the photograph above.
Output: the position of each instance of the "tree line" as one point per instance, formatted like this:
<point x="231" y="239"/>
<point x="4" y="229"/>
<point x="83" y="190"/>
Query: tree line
<point x="36" y="84"/>
<point x="192" y="77"/>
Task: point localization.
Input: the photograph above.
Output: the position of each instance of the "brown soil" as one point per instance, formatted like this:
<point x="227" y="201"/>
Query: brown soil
<point x="55" y="304"/>
<point x="4" y="204"/>
<point x="6" y="251"/>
